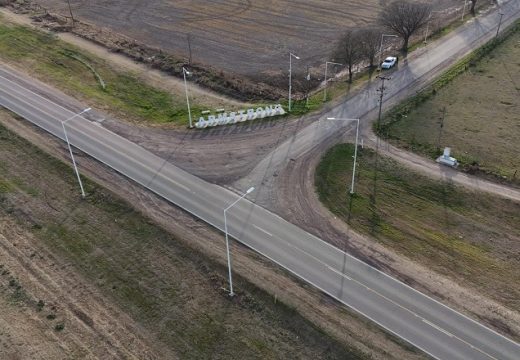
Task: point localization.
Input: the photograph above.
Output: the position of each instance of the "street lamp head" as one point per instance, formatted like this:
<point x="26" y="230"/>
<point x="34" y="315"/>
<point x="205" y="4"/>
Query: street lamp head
<point x="186" y="71"/>
<point x="86" y="110"/>
<point x="295" y="56"/>
<point x="342" y="119"/>
<point x="250" y="190"/>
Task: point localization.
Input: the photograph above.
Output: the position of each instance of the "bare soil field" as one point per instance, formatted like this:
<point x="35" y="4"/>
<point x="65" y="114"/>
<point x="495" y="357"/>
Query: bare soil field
<point x="249" y="38"/>
<point x="476" y="114"/>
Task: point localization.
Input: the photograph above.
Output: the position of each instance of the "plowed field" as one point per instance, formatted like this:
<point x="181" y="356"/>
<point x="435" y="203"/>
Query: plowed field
<point x="245" y="37"/>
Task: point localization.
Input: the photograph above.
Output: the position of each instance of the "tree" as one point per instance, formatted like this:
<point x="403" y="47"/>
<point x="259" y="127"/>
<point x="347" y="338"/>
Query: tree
<point x="405" y="18"/>
<point x="472" y="9"/>
<point x="351" y="50"/>
<point x="370" y="41"/>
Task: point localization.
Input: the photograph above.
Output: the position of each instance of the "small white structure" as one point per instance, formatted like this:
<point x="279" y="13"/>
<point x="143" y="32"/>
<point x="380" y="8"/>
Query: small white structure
<point x="446" y="159"/>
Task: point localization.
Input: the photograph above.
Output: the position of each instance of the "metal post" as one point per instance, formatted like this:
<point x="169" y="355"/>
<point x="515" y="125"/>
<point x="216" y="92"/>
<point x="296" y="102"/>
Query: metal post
<point x="427" y="25"/>
<point x="307" y="88"/>
<point x="231" y="293"/>
<point x="381" y="46"/>
<point x="355" y="149"/>
<point x="326" y="79"/>
<point x="70" y="150"/>
<point x="463" y="11"/>
<point x="184" y="72"/>
<point x="380" y="51"/>
<point x="499" y="23"/>
<point x="355" y="159"/>
<point x="291" y="55"/>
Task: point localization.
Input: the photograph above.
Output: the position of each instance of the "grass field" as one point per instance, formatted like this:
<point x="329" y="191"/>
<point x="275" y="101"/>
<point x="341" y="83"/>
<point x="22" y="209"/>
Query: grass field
<point x="472" y="238"/>
<point x="172" y="292"/>
<point x="478" y="110"/>
<point x="82" y="74"/>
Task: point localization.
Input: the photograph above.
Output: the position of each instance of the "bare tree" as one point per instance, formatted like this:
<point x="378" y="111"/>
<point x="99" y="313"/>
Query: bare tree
<point x="472" y="9"/>
<point x="370" y="38"/>
<point x="351" y="50"/>
<point x="405" y="18"/>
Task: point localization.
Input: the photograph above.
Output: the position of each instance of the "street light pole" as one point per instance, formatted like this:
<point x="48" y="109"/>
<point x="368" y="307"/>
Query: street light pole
<point x="291" y="55"/>
<point x="70" y="149"/>
<point x="355" y="149"/>
<point x="231" y="293"/>
<point x="381" y="46"/>
<point x="499" y="23"/>
<point x="184" y="73"/>
<point x="326" y="79"/>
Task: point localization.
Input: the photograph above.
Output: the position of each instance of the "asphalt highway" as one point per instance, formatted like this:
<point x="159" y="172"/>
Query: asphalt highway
<point x="422" y="321"/>
<point x="411" y="75"/>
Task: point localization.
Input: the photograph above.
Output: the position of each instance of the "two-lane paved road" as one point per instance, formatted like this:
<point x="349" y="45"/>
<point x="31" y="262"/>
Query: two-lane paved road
<point x="412" y="75"/>
<point x="420" y="320"/>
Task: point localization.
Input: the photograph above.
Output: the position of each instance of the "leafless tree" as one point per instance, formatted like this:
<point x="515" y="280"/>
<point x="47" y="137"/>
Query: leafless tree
<point x="351" y="50"/>
<point x="472" y="9"/>
<point x="405" y="18"/>
<point x="370" y="40"/>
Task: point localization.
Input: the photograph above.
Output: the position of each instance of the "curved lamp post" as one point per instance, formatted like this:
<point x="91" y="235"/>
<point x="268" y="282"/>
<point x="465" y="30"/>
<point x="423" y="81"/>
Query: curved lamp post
<point x="355" y="149"/>
<point x="63" y="123"/>
<point x="381" y="46"/>
<point x="184" y="73"/>
<point x="326" y="80"/>
<point x="250" y="190"/>
<point x="291" y="55"/>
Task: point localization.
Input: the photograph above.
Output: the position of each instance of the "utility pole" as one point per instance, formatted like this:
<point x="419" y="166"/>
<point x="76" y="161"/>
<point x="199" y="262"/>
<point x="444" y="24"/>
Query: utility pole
<point x="381" y="93"/>
<point x="440" y="128"/>
<point x="308" y="87"/>
<point x="376" y="162"/>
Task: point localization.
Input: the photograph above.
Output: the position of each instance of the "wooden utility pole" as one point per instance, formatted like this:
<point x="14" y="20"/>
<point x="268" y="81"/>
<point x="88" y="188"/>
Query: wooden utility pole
<point x="376" y="162"/>
<point x="440" y="128"/>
